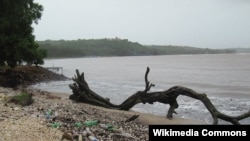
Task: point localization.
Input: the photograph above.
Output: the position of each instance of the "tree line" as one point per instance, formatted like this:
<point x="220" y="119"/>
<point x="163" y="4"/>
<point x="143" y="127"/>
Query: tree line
<point x="116" y="47"/>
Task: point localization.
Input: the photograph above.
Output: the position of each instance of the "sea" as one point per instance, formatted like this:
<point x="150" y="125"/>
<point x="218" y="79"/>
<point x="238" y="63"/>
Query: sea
<point x="225" y="78"/>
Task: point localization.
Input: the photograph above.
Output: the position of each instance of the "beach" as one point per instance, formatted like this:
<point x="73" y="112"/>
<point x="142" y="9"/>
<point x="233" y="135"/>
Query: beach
<point x="32" y="123"/>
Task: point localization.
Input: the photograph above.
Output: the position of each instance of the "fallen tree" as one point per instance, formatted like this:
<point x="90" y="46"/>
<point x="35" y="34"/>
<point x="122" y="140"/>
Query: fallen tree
<point x="83" y="93"/>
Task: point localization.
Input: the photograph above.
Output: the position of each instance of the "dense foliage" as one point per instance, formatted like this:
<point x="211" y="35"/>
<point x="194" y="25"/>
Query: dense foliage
<point x="92" y="47"/>
<point x="189" y="50"/>
<point x="114" y="47"/>
<point x="17" y="44"/>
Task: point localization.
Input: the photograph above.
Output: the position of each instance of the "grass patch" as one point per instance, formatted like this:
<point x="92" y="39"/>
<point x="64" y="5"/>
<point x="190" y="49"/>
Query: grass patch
<point x="23" y="99"/>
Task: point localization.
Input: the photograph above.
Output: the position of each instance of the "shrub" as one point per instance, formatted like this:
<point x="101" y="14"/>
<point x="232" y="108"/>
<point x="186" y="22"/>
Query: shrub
<point x="23" y="99"/>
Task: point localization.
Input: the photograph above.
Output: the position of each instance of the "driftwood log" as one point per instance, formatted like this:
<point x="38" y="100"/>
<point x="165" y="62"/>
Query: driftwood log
<point x="83" y="93"/>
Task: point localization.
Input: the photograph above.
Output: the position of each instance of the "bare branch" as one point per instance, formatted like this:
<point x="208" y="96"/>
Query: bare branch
<point x="148" y="85"/>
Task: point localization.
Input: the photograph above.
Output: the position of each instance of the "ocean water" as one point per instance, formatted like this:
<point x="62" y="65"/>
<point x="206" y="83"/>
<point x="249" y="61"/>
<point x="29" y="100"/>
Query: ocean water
<point x="225" y="78"/>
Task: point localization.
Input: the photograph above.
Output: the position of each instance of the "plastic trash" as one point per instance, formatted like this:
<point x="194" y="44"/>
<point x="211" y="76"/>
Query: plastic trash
<point x="110" y="128"/>
<point x="80" y="137"/>
<point x="91" y="123"/>
<point x="88" y="131"/>
<point x="56" y="113"/>
<point x="55" y="125"/>
<point x="104" y="126"/>
<point x="78" y="124"/>
<point x="107" y="126"/>
<point x="84" y="133"/>
<point x="48" y="114"/>
<point x="126" y="135"/>
<point x="117" y="130"/>
<point x="92" y="138"/>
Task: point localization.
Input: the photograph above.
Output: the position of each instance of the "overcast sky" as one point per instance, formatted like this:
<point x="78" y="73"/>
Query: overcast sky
<point x="197" y="23"/>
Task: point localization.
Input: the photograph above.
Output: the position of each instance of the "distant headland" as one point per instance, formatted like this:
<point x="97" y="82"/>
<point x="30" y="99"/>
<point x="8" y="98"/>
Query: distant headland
<point x="117" y="47"/>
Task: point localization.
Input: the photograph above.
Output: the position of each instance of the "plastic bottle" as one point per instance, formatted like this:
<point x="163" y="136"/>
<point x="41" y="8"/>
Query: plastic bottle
<point x="107" y="126"/>
<point x="104" y="126"/>
<point x="78" y="124"/>
<point x="126" y="135"/>
<point x="88" y="131"/>
<point x="91" y="122"/>
<point x="117" y="130"/>
<point x="55" y="125"/>
<point x="110" y="127"/>
<point x="92" y="138"/>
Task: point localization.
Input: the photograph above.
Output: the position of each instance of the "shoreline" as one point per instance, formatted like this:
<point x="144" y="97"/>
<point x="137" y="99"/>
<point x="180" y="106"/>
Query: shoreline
<point x="223" y="94"/>
<point x="26" y="120"/>
<point x="147" y="118"/>
<point x="190" y="109"/>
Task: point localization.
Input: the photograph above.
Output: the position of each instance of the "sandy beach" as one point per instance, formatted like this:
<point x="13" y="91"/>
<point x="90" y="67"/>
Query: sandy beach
<point x="31" y="122"/>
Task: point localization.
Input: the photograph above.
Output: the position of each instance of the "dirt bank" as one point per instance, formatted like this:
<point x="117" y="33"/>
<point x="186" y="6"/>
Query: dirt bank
<point x="26" y="75"/>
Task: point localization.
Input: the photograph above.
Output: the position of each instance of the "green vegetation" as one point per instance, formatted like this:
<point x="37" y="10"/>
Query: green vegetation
<point x="22" y="99"/>
<point x="17" y="44"/>
<point x="92" y="47"/>
<point x="188" y="50"/>
<point x="242" y="50"/>
<point x="115" y="47"/>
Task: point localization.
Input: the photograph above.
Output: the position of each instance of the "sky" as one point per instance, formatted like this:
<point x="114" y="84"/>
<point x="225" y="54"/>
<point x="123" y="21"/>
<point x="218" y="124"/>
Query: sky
<point x="196" y="23"/>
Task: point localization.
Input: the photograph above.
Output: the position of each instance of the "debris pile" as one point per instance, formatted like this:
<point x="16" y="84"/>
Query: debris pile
<point x="56" y="119"/>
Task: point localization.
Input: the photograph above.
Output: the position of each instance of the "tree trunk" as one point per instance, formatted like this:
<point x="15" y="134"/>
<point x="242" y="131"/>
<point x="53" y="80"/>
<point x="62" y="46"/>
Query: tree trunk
<point x="82" y="93"/>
